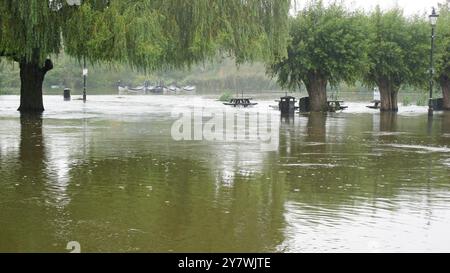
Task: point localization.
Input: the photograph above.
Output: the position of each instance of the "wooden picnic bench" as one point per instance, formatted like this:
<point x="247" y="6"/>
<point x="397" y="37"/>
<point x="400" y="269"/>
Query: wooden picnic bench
<point x="376" y="104"/>
<point x="245" y="102"/>
<point x="336" y="105"/>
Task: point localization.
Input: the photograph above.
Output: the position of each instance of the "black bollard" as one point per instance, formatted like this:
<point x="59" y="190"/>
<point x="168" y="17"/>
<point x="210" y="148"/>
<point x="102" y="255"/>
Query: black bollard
<point x="67" y="94"/>
<point x="304" y="105"/>
<point x="287" y="105"/>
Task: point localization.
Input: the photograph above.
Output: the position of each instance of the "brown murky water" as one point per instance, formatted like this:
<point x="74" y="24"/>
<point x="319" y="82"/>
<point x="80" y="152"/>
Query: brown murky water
<point x="109" y="175"/>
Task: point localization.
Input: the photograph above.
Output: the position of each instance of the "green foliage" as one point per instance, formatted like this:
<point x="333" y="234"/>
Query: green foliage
<point x="146" y="34"/>
<point x="398" y="49"/>
<point x="407" y="100"/>
<point x="223" y="75"/>
<point x="327" y="42"/>
<point x="7" y="91"/>
<point x="443" y="43"/>
<point x="213" y="76"/>
<point x="30" y="29"/>
<point x="226" y="96"/>
<point x="422" y="100"/>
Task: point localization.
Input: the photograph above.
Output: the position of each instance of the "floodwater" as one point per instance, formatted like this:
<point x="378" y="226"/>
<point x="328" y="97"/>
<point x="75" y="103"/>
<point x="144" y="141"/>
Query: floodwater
<point x="110" y="176"/>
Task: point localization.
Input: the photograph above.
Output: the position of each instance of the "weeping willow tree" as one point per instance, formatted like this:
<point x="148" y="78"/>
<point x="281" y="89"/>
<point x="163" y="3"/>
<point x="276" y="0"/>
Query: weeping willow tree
<point x="146" y="34"/>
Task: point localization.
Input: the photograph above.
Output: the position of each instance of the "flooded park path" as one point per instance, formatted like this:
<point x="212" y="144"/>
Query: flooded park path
<point x="110" y="176"/>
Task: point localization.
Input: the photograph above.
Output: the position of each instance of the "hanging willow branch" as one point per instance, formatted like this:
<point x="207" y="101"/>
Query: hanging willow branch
<point x="147" y="34"/>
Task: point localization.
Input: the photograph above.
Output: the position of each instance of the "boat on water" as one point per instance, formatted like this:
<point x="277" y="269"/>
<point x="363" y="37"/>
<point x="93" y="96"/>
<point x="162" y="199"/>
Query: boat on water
<point x="158" y="89"/>
<point x="189" y="88"/>
<point x="142" y="90"/>
<point x="139" y="88"/>
<point x="174" y="88"/>
<point x="122" y="90"/>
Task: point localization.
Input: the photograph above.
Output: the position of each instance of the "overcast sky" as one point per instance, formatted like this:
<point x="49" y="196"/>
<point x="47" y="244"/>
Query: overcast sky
<point x="409" y="6"/>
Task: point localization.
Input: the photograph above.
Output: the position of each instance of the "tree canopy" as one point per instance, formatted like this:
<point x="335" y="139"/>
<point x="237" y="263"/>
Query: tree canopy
<point x="327" y="45"/>
<point x="443" y="42"/>
<point x="398" y="53"/>
<point x="443" y="52"/>
<point x="383" y="48"/>
<point x="29" y="30"/>
<point x="146" y="34"/>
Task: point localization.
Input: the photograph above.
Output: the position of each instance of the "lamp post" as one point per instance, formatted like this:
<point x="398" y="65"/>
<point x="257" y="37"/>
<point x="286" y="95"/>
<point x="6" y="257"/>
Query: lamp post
<point x="85" y="73"/>
<point x="433" y="21"/>
<point x="85" y="70"/>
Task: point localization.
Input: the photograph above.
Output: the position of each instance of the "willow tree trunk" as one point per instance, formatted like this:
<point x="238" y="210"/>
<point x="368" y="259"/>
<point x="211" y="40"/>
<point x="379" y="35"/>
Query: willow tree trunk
<point x="445" y="86"/>
<point x="317" y="91"/>
<point x="32" y="76"/>
<point x="389" y="94"/>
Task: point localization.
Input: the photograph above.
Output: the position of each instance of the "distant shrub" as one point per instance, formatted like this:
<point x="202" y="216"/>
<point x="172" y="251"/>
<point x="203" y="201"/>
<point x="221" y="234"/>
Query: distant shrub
<point x="407" y="100"/>
<point x="226" y="96"/>
<point x="422" y="100"/>
<point x="8" y="91"/>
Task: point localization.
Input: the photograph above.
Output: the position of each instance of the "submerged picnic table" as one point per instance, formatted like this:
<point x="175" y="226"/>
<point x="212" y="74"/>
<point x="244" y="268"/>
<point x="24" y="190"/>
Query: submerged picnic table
<point x="376" y="104"/>
<point x="336" y="105"/>
<point x="245" y="102"/>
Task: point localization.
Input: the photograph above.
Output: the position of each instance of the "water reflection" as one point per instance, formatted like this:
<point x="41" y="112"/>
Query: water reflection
<point x="316" y="128"/>
<point x="22" y="182"/>
<point x="445" y="124"/>
<point x="388" y="121"/>
<point x="141" y="206"/>
<point x="430" y="125"/>
<point x="32" y="149"/>
<point x="341" y="191"/>
<point x="338" y="182"/>
<point x="288" y="119"/>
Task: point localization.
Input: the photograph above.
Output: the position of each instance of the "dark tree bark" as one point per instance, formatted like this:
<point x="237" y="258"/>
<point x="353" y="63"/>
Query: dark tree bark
<point x="316" y="85"/>
<point x="445" y="86"/>
<point x="32" y="76"/>
<point x="389" y="94"/>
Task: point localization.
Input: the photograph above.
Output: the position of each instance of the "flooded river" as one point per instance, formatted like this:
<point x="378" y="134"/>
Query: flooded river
<point x="110" y="175"/>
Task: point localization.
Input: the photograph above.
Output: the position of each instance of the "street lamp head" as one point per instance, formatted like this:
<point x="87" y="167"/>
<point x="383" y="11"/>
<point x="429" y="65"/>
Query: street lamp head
<point x="433" y="17"/>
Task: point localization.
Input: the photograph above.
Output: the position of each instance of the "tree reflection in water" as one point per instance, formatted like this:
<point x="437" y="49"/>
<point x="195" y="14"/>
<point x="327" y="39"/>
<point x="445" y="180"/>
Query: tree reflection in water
<point x="132" y="188"/>
<point x="445" y="123"/>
